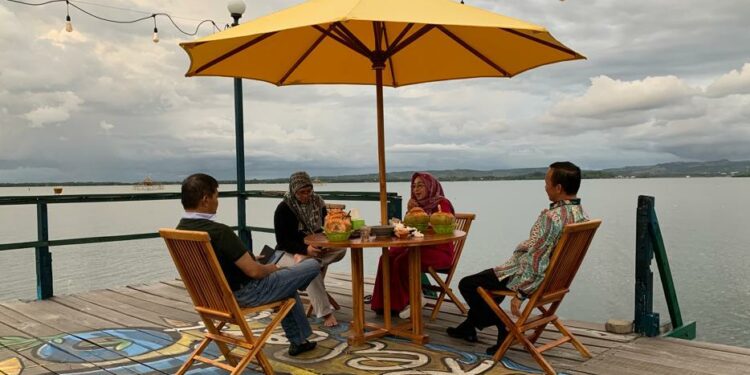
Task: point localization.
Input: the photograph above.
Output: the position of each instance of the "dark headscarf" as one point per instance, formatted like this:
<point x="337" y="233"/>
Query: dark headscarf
<point x="434" y="193"/>
<point x="309" y="214"/>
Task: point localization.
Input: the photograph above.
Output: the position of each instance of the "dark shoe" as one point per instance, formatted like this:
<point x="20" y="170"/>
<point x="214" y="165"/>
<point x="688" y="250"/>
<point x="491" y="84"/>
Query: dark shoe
<point x="380" y="312"/>
<point x="500" y="338"/>
<point x="492" y="349"/>
<point x="468" y="335"/>
<point x="295" y="349"/>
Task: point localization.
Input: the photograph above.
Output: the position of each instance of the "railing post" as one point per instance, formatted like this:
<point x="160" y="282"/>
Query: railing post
<point x="239" y="137"/>
<point x="394" y="206"/>
<point x="646" y="321"/>
<point x="679" y="328"/>
<point x="43" y="256"/>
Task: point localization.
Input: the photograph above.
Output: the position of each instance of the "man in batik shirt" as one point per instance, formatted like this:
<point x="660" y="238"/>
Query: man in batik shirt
<point x="524" y="271"/>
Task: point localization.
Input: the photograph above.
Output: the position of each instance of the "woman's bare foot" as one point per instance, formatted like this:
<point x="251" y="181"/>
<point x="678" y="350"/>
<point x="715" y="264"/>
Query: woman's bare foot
<point x="330" y="321"/>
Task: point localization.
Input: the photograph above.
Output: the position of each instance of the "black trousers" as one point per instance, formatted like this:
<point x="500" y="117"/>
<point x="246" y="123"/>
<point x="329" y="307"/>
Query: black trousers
<point x="480" y="315"/>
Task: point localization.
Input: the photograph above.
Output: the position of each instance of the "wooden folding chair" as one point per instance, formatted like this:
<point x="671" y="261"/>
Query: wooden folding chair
<point x="463" y="222"/>
<point x="566" y="259"/>
<point x="204" y="280"/>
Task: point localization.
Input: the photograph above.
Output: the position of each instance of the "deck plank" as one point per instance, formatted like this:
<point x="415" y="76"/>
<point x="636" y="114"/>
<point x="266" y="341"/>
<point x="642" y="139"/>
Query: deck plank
<point x="73" y="323"/>
<point x="12" y="363"/>
<point x="663" y="350"/>
<point x="160" y="307"/>
<point x="32" y="334"/>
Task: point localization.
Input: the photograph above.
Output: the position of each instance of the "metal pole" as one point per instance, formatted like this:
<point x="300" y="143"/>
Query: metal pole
<point x="43" y="256"/>
<point x="646" y="320"/>
<point x="239" y="136"/>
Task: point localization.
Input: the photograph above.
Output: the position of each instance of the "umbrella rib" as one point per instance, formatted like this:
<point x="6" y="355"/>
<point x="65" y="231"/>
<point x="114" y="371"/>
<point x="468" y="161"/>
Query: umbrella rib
<point x="544" y="42"/>
<point x="303" y="57"/>
<point x="343" y="41"/>
<point x="399" y="37"/>
<point x="232" y="52"/>
<point x="353" y="38"/>
<point x="390" y="60"/>
<point x="418" y="34"/>
<point x="473" y="50"/>
<point x="377" y="30"/>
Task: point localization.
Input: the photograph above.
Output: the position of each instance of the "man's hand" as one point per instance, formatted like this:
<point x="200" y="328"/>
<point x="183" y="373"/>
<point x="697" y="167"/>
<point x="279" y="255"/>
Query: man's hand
<point x="313" y="251"/>
<point x="515" y="306"/>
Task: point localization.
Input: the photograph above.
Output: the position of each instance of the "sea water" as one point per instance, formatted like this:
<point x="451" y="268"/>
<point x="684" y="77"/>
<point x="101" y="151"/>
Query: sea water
<point x="703" y="222"/>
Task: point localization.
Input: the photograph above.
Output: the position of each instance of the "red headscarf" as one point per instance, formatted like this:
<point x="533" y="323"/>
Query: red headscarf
<point x="434" y="193"/>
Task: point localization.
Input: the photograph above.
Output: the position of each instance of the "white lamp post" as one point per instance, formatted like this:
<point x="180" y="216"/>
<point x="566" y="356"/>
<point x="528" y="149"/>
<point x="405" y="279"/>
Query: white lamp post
<point x="236" y="8"/>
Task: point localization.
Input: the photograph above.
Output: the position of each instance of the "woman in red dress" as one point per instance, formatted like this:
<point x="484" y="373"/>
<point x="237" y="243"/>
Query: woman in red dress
<point x="427" y="193"/>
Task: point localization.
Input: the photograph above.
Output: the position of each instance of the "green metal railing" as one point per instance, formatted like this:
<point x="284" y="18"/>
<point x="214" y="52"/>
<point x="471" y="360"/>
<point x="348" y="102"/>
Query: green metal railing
<point x="649" y="244"/>
<point x="43" y="243"/>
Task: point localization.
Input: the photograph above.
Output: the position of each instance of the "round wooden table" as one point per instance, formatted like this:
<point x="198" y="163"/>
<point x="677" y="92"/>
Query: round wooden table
<point x="414" y="328"/>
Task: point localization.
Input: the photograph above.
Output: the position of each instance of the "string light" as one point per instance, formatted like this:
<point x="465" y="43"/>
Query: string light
<point x="155" y="37"/>
<point x="68" y="24"/>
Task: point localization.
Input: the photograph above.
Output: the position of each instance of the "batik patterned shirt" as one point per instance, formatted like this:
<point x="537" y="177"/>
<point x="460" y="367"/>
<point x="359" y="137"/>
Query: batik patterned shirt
<point x="525" y="269"/>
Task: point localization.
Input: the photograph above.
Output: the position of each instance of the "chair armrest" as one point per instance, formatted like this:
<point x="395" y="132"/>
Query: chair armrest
<point x="504" y="293"/>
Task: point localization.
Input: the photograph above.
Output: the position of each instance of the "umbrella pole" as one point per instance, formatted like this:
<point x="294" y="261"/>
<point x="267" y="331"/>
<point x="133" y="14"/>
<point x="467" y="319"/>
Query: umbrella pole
<point x="381" y="144"/>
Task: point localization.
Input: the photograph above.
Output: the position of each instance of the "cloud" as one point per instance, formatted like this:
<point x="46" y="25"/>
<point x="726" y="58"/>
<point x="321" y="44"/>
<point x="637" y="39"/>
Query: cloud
<point x="655" y="88"/>
<point x="662" y="115"/>
<point x="61" y="38"/>
<point x="106" y="126"/>
<point x="62" y="104"/>
<point x="606" y="97"/>
<point x="734" y="82"/>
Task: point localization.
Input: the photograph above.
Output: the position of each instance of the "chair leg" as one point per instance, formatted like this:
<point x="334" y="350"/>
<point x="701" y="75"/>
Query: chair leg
<point x="581" y="349"/>
<point x="333" y="302"/>
<point x="456" y="301"/>
<point x="309" y="310"/>
<point x="201" y="347"/>
<point x="517" y="335"/>
<point x="264" y="363"/>
<point x="256" y="351"/>
<point x="223" y="348"/>
<point x="546" y="367"/>
<point x="445" y="290"/>
<point x="240" y="367"/>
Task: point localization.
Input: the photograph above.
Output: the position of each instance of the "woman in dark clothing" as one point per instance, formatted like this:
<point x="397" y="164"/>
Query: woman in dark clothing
<point x="299" y="214"/>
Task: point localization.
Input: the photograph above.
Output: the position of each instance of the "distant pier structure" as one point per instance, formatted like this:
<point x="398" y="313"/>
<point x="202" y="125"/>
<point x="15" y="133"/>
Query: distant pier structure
<point x="148" y="184"/>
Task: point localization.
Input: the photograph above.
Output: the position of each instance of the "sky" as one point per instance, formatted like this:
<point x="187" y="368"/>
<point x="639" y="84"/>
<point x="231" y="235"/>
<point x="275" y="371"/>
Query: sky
<point x="664" y="81"/>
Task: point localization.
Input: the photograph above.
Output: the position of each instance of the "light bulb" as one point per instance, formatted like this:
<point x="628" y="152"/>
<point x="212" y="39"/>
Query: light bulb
<point x="68" y="24"/>
<point x="236" y="7"/>
<point x="156" y="36"/>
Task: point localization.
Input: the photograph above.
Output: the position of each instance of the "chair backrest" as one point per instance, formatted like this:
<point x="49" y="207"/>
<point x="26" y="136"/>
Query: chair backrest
<point x="567" y="257"/>
<point x="201" y="273"/>
<point x="463" y="223"/>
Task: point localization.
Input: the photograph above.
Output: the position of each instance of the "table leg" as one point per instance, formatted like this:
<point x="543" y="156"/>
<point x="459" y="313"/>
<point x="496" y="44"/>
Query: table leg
<point x="385" y="263"/>
<point x="415" y="293"/>
<point x="358" y="298"/>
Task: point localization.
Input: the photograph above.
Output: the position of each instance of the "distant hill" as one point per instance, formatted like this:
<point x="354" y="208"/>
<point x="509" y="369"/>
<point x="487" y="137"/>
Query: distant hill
<point x="718" y="168"/>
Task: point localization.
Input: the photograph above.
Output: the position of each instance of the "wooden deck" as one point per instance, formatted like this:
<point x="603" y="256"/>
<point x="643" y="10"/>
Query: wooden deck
<point x="143" y="329"/>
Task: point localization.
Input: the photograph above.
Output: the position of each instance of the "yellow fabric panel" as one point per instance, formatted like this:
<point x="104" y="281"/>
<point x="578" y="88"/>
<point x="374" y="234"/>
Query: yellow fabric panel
<point x="512" y="45"/>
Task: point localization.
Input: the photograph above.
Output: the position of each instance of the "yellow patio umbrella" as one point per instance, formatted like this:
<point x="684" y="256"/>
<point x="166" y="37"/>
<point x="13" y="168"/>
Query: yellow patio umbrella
<point x="376" y="42"/>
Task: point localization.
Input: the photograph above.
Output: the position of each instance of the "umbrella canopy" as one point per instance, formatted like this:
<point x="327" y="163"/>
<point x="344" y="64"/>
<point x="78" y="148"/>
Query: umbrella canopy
<point x="376" y="42"/>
